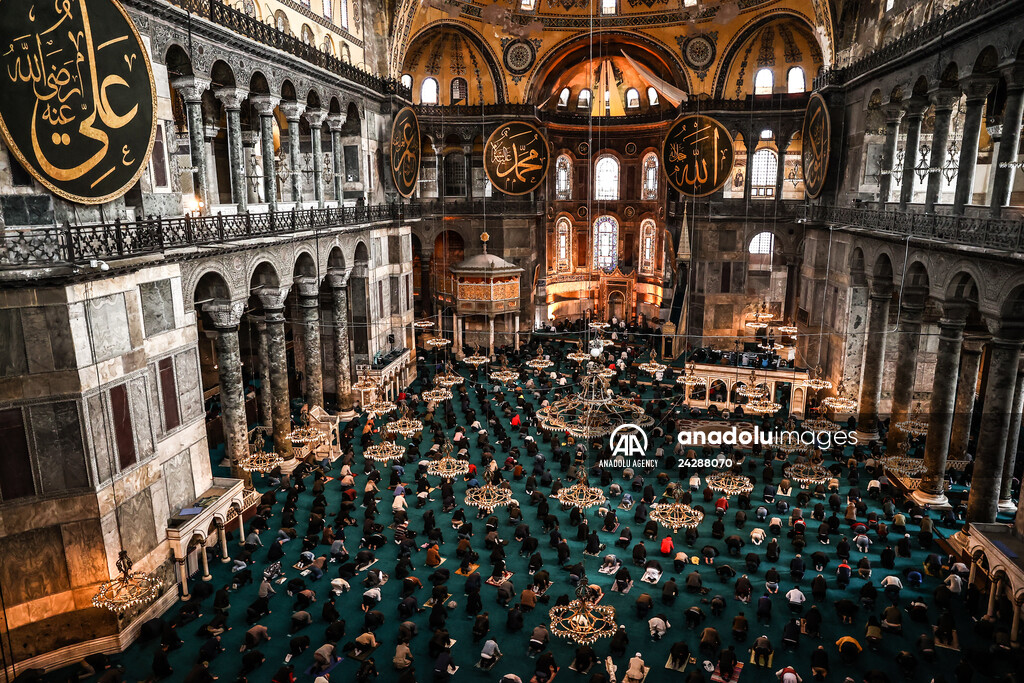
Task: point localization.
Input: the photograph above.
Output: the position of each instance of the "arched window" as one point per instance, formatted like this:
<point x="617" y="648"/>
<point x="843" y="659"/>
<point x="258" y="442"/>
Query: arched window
<point x="632" y="99"/>
<point x="647" y="233"/>
<point x="528" y="5"/>
<point x="407" y="81"/>
<point x="455" y="175"/>
<point x="763" y="243"/>
<point x="460" y="90"/>
<point x="764" y="82"/>
<point x="343" y="13"/>
<point x="327" y="9"/>
<point x="763" y="172"/>
<point x="584" y="100"/>
<point x="428" y="91"/>
<point x="281" y="21"/>
<point x="650" y="185"/>
<point x="328" y="45"/>
<point x="563" y="178"/>
<point x="606" y="178"/>
<point x="606" y="243"/>
<point x="563" y="248"/>
<point x="608" y="7"/>
<point x="652" y="96"/>
<point x="795" y="80"/>
<point x="307" y="35"/>
<point x="563" y="97"/>
<point x="346" y="54"/>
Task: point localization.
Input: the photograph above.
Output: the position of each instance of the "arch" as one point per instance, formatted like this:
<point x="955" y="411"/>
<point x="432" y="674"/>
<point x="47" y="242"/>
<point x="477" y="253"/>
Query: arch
<point x="882" y="269"/>
<point x="407" y="81"/>
<point x="563" y="98"/>
<point x="652" y="96"/>
<point x="288" y="91"/>
<point x="796" y="80"/>
<point x="585" y="99"/>
<point x="764" y="81"/>
<point x="563" y="177"/>
<point x="986" y="61"/>
<point x="963" y="287"/>
<point x="263" y="274"/>
<point x="258" y="84"/>
<point x="353" y="124"/>
<point x="336" y="259"/>
<point x="649" y="175"/>
<point x="221" y="75"/>
<point x="733" y="59"/>
<point x="281" y="22"/>
<point x="304" y="266"/>
<point x="362" y="254"/>
<point x="308" y="37"/>
<point x="177" y="61"/>
<point x="858" y="273"/>
<point x="606" y="178"/>
<point x="717" y="391"/>
<point x="459" y="90"/>
<point x="632" y="98"/>
<point x="313" y="99"/>
<point x="441" y="37"/>
<point x="429" y="91"/>
<point x="950" y="76"/>
<point x="212" y="284"/>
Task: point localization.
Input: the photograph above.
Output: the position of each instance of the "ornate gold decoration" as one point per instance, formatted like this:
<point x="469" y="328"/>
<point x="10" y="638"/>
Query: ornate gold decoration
<point x="539" y="363"/>
<point x="449" y="378"/>
<point x="840" y="403"/>
<point x="384" y="451"/>
<point x="380" y="407"/>
<point x="807" y="474"/>
<point x="580" y="495"/>
<point x="306" y="433"/>
<point x="815" y="145"/>
<point x="438" y="342"/>
<point x="405" y="151"/>
<point x="752" y="389"/>
<point x="423" y="324"/>
<point x="676" y="515"/>
<point x="516" y="158"/>
<point x="652" y="366"/>
<point x="127" y="590"/>
<point x="690" y="378"/>
<point x="788" y="330"/>
<point x="916" y="423"/>
<point x="593" y="412"/>
<point x="488" y="497"/>
<point x="258" y="459"/>
<point x="447" y="467"/>
<point x="729" y="483"/>
<point x="762" y="406"/>
<point x="582" y="621"/>
<point x="505" y="374"/>
<point x="405" y="425"/>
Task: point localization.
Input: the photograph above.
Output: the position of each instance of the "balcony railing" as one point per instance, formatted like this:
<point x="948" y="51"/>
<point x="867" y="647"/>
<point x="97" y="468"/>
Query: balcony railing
<point x="993" y="233"/>
<point x="67" y="244"/>
<point x="474" y="207"/>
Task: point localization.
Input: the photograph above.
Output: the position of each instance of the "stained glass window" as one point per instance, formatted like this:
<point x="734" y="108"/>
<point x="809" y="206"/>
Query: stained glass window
<point x="562" y="251"/>
<point x="563" y="178"/>
<point x="606" y="178"/>
<point x="647" y="232"/>
<point x="606" y="243"/>
<point x="650" y="185"/>
<point x="764" y="170"/>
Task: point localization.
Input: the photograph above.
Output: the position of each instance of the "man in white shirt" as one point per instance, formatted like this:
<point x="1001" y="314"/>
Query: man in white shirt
<point x="796" y="598"/>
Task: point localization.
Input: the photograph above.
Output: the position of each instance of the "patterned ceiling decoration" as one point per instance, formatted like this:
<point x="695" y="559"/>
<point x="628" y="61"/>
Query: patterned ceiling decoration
<point x="757" y="48"/>
<point x="699" y="51"/>
<point x="445" y="52"/>
<point x="792" y="52"/>
<point x="766" y="56"/>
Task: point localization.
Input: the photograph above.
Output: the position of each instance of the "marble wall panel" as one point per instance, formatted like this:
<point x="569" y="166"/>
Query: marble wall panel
<point x="178" y="478"/>
<point x="32" y="565"/>
<point x="108" y="326"/>
<point x="84" y="552"/>
<point x="186" y="373"/>
<point x="142" y="420"/>
<point x="13" y="360"/>
<point x="58" y="447"/>
<point x="99" y="436"/>
<point x="157" y="306"/>
<point x="138" y="530"/>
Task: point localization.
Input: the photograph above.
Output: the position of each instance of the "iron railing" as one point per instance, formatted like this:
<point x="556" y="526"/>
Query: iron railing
<point x="479" y="206"/>
<point x="76" y="244"/>
<point x="1006" y="234"/>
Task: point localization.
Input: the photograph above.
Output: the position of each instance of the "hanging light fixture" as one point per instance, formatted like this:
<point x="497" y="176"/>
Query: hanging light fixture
<point x="762" y="406"/>
<point x="729" y="483"/>
<point x="582" y="621"/>
<point x="449" y="378"/>
<point x="580" y="495"/>
<point x="690" y="378"/>
<point x="807" y="474"/>
<point x="380" y="407"/>
<point x="752" y="389"/>
<point x="405" y="425"/>
<point x="437" y="394"/>
<point x="447" y="467"/>
<point x="383" y="451"/>
<point x="540" y="362"/>
<point x="438" y="342"/>
<point x="505" y="374"/>
<point x="476" y="360"/>
<point x="306" y="433"/>
<point x="424" y="324"/>
<point x="788" y="330"/>
<point x="821" y="425"/>
<point x="840" y="403"/>
<point x="815" y="381"/>
<point x="652" y="366"/>
<point x="129" y="589"/>
<point x="592" y="412"/>
<point x="676" y="515"/>
<point x="258" y="459"/>
<point x="488" y="497"/>
<point x="916" y="423"/>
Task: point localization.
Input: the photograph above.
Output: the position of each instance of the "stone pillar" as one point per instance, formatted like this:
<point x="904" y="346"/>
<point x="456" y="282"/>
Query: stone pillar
<point x="517" y="332"/>
<point x="943" y="401"/>
<point x="426" y="286"/>
<point x="272" y="299"/>
<point x="1015" y="625"/>
<point x="966" y="388"/>
<point x="231" y="99"/>
<point x="439" y="155"/>
<point x="874" y="361"/>
<point x="914" y="113"/>
<point x="986" y="480"/>
<point x="204" y="562"/>
<point x="183" y="578"/>
<point x="264" y="396"/>
<point x="782" y="140"/>
<point x="893" y="116"/>
<point x="264" y="106"/>
<point x="293" y="114"/>
<point x="315" y="118"/>
<point x="241" y="528"/>
<point x="467" y="151"/>
<point x="994" y="584"/>
<point x="942" y="100"/>
<point x="191" y="89"/>
<point x="339" y="318"/>
<point x="252" y="192"/>
<point x="753" y="136"/>
<point x="1009" y="140"/>
<point x="336" y="122"/>
<point x="908" y="348"/>
<point x="309" y="309"/>
<point x="226" y="315"/>
<point x="977" y="89"/>
<point x="490" y="341"/>
<point x="1013" y="436"/>
<point x="222" y="536"/>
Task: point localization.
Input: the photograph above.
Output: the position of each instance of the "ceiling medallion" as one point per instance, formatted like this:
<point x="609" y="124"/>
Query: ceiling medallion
<point x="583" y="149"/>
<point x="630" y="148"/>
<point x="519" y="56"/>
<point x="699" y="52"/>
<point x="629" y="212"/>
<point x="582" y="212"/>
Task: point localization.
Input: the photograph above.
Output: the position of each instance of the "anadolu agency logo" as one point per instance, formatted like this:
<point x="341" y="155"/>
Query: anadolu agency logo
<point x="735" y="436"/>
<point x="629" y="446"/>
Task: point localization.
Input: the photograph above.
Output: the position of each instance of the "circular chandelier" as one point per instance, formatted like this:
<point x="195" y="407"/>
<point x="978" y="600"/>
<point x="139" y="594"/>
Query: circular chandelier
<point x="364" y="384"/>
<point x="755" y="325"/>
<point x="690" y="378"/>
<point x="446" y="466"/>
<point x="306" y="434"/>
<point x="438" y="342"/>
<point x="505" y="375"/>
<point x="903" y="466"/>
<point x="539" y="363"/>
<point x="127" y="590"/>
<point x="258" y="459"/>
<point x="423" y="324"/>
<point x="788" y="330"/>
<point x="578" y="356"/>
<point x="762" y="314"/>
<point x="762" y="406"/>
<point x="915" y="424"/>
<point x="729" y="483"/>
<point x="580" y="495"/>
<point x="593" y="412"/>
<point x="597" y="325"/>
<point x="380" y="407"/>
<point x="582" y="621"/>
<point x="652" y="366"/>
<point x="437" y="394"/>
<point x="815" y="381"/>
<point x="806" y="474"/>
<point x="384" y="451"/>
<point x="821" y="424"/>
<point x="488" y="497"/>
<point x="476" y="360"/>
<point x="449" y="378"/>
<point x="841" y="403"/>
<point x="676" y="515"/>
<point x="752" y="389"/>
<point x="405" y="425"/>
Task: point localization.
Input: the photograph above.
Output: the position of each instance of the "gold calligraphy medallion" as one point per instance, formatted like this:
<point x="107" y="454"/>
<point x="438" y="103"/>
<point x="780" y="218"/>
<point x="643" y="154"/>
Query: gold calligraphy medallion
<point x="79" y="104"/>
<point x="516" y="158"/>
<point x="698" y="155"/>
<point x="815" y="142"/>
<point x="405" y="151"/>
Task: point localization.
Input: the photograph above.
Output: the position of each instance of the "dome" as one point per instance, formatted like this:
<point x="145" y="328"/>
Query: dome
<point x="778" y="46"/>
<point x="462" y="72"/>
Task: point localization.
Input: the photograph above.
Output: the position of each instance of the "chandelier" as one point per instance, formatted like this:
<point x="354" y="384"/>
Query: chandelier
<point x="690" y="378"/>
<point x="539" y="363"/>
<point x="815" y="381"/>
<point x="380" y="407"/>
<point x="597" y="325"/>
<point x="437" y="394"/>
<point x="489" y="496"/>
<point x="384" y="451"/>
<point x="677" y="515"/>
<point x="821" y="424"/>
<point x="807" y="474"/>
<point x="364" y="384"/>
<point x="423" y="324"/>
<point x="505" y="375"/>
<point x="580" y="495"/>
<point x="127" y="590"/>
<point x="915" y="424"/>
<point x="593" y="412"/>
<point x="578" y="356"/>
<point x="652" y="366"/>
<point x="729" y="483"/>
<point x="446" y="466"/>
<point x="762" y="406"/>
<point x="405" y="425"/>
<point x="841" y="403"/>
<point x="752" y="389"/>
<point x="762" y="314"/>
<point x="438" y="342"/>
<point x="476" y="360"/>
<point x="449" y="378"/>
<point x="582" y="621"/>
<point x="307" y="434"/>
<point x="788" y="330"/>
<point x="258" y="459"/>
<point x="903" y="466"/>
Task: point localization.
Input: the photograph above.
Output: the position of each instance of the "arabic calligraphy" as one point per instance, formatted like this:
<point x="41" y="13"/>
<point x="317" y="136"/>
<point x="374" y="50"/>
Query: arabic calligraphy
<point x="405" y="151"/>
<point x="516" y="158"/>
<point x="698" y="154"/>
<point x="79" y="110"/>
<point x="815" y="143"/>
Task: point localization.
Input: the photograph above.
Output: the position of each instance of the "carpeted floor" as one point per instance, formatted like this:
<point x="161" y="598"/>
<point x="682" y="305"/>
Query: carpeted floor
<point x="137" y="660"/>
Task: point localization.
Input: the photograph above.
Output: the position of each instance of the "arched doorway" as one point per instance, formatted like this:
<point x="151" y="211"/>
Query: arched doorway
<point x="616" y="306"/>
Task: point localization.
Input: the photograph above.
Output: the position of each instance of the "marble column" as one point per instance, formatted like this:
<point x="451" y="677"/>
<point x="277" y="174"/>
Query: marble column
<point x="490" y="342"/>
<point x="940" y="410"/>
<point x="264" y="106"/>
<point x="915" y="109"/>
<point x="204" y="562"/>
<point x="226" y="316"/>
<point x="231" y="99"/>
<point x="1012" y="439"/>
<point x="908" y="348"/>
<point x="222" y="537"/>
<point x="309" y="310"/>
<point x="993" y="596"/>
<point x="467" y="151"/>
<point x="517" y="333"/>
<point x="336" y="122"/>
<point x="252" y="192"/>
<point x="293" y="114"/>
<point x="966" y="391"/>
<point x="339" y="319"/>
<point x="986" y="480"/>
<point x="782" y="140"/>
<point x="272" y="299"/>
<point x="315" y="118"/>
<point x="191" y="89"/>
<point x="1009" y="139"/>
<point x="874" y="361"/>
<point x="439" y="155"/>
<point x="977" y="89"/>
<point x="893" y="116"/>
<point x="183" y="578"/>
<point x="942" y="100"/>
<point x="264" y="397"/>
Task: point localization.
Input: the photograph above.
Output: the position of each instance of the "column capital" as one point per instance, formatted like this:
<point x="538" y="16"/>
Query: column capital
<point x="915" y="107"/>
<point x="191" y="87"/>
<point x="955" y="312"/>
<point x="264" y="104"/>
<point x="977" y="87"/>
<point x="944" y="98"/>
<point x="226" y="315"/>
<point x="272" y="300"/>
<point x="335" y="122"/>
<point x="337" y="278"/>
<point x="315" y="117"/>
<point x="292" y="110"/>
<point x="250" y="137"/>
<point x="881" y="290"/>
<point x="231" y="98"/>
<point x="307" y="288"/>
<point x="912" y="312"/>
<point x="1014" y="74"/>
<point x="974" y="344"/>
<point x="893" y="113"/>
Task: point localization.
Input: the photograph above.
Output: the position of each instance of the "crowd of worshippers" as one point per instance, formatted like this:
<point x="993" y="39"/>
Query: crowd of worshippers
<point x="829" y="530"/>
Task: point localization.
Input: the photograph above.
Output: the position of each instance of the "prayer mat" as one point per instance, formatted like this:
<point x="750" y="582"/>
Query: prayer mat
<point x="954" y="645"/>
<point x="313" y="671"/>
<point x="488" y="666"/>
<point x="680" y="669"/>
<point x="361" y="655"/>
<point x="613" y="529"/>
<point x="771" y="658"/>
<point x="653" y="581"/>
<point x="504" y="577"/>
<point x="629" y="586"/>
<point x="717" y="676"/>
<point x="429" y="604"/>
<point x="572" y="667"/>
<point x="610" y="570"/>
<point x="626" y="505"/>
<point x="472" y="569"/>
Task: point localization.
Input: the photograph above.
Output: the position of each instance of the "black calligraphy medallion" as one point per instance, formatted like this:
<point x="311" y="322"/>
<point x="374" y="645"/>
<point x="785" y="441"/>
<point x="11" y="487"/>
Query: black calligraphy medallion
<point x="405" y="151"/>
<point x="516" y="158"/>
<point x="698" y="155"/>
<point x="814" y="142"/>
<point x="79" y="104"/>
